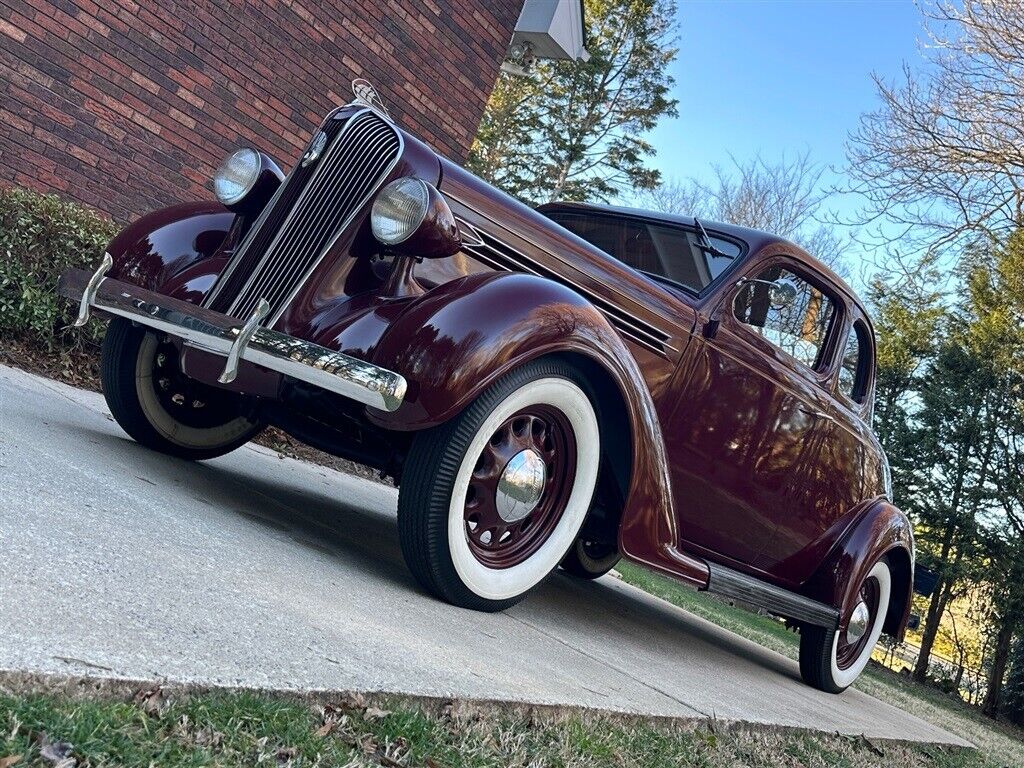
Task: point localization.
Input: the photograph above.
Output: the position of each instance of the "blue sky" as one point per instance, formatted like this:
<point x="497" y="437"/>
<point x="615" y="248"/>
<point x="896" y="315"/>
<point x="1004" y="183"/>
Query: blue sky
<point x="779" y="78"/>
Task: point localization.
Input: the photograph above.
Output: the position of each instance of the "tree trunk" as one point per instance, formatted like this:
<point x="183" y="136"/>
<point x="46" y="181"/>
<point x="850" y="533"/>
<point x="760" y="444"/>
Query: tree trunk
<point x="563" y="177"/>
<point x="936" y="608"/>
<point x="998" y="671"/>
<point x="1013" y="698"/>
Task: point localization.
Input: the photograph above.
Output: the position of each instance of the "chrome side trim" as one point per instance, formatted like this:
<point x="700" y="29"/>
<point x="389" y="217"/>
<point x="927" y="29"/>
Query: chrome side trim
<point x="241" y="340"/>
<point x="738" y="586"/>
<point x="217" y="333"/>
<point x="531" y="241"/>
<point x="90" y="290"/>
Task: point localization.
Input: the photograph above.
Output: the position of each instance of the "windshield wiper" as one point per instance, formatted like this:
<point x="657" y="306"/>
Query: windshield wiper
<point x="706" y="245"/>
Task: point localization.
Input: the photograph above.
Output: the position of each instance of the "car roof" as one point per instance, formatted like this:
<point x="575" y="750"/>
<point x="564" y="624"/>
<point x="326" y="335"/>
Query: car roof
<point x="756" y="239"/>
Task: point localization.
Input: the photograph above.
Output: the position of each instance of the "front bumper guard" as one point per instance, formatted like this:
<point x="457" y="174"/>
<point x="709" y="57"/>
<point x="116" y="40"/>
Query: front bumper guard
<point x="222" y="335"/>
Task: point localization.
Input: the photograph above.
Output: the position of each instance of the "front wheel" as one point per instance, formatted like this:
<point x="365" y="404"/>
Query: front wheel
<point x="159" y="406"/>
<point x="491" y="500"/>
<point x="832" y="659"/>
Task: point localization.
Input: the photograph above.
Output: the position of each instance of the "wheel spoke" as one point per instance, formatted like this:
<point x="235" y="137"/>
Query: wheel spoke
<point x="544" y="433"/>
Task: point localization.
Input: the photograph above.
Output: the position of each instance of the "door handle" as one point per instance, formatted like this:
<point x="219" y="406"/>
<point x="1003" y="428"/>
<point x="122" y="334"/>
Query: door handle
<point x="817" y="414"/>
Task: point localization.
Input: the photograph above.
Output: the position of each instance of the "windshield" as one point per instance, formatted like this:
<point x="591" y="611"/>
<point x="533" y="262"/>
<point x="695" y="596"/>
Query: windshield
<point x="660" y="250"/>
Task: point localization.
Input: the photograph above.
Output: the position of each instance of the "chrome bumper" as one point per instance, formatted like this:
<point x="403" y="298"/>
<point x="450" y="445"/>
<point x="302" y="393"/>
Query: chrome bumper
<point x="214" y="332"/>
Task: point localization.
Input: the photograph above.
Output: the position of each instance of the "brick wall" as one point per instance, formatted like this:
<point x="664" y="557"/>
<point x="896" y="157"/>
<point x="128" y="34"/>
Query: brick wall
<point x="127" y="106"/>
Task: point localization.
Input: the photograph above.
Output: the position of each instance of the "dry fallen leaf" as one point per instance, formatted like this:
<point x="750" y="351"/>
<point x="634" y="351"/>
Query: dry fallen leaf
<point x="368" y="744"/>
<point x="7" y="762"/>
<point x="374" y="713"/>
<point x="150" y="701"/>
<point x="321" y="732"/>
<point x="207" y="737"/>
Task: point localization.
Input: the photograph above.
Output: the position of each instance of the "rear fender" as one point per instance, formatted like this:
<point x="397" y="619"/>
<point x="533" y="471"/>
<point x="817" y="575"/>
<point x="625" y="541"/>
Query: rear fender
<point x="457" y="339"/>
<point x="175" y="251"/>
<point x="882" y="531"/>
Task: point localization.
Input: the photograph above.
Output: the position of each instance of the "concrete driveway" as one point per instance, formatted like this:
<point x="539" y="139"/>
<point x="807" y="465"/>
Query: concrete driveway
<point x="254" y="570"/>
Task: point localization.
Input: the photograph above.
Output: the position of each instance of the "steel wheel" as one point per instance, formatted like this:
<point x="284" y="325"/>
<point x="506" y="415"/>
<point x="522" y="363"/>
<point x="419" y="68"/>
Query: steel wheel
<point x="853" y="637"/>
<point x="163" y="409"/>
<point x="832" y="659"/>
<point x="519" y="486"/>
<point x="491" y="501"/>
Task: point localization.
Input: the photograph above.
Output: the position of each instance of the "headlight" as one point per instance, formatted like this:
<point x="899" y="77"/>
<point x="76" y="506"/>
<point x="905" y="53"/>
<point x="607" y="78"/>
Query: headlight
<point x="399" y="210"/>
<point x="236" y="176"/>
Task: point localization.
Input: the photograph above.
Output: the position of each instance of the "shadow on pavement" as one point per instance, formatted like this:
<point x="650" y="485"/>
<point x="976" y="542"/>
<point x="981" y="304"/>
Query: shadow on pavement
<point x="321" y="519"/>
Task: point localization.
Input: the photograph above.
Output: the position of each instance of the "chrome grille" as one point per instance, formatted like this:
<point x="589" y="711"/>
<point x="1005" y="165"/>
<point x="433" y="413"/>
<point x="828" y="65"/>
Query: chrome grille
<point x="286" y="245"/>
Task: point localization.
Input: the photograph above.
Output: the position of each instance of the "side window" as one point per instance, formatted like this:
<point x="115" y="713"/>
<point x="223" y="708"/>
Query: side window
<point x="797" y="321"/>
<point x="853" y="373"/>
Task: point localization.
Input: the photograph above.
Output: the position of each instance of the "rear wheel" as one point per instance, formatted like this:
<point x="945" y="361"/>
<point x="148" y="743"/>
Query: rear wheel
<point x="163" y="409"/>
<point x="832" y="659"/>
<point x="590" y="559"/>
<point x="491" y="501"/>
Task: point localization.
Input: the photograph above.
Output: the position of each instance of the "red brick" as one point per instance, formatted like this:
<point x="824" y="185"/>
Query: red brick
<point x="12" y="31"/>
<point x="128" y="107"/>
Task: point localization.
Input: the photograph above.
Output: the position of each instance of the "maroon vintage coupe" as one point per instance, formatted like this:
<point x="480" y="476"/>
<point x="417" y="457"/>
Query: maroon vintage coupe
<point x="560" y="386"/>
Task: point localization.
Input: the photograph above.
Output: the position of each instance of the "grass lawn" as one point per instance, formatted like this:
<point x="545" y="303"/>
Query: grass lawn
<point x="998" y="743"/>
<point x="245" y="729"/>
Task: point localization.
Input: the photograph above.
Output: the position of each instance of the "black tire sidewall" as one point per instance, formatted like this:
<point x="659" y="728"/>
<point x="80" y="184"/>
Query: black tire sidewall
<point x="578" y="563"/>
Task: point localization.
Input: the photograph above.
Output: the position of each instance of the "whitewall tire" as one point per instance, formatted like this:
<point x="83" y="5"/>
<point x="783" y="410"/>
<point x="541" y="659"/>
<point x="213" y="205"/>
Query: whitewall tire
<point x="163" y="409"/>
<point x="490" y="502"/>
<point x="832" y="659"/>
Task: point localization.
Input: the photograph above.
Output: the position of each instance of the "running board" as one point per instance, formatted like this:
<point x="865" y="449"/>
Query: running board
<point x="738" y="586"/>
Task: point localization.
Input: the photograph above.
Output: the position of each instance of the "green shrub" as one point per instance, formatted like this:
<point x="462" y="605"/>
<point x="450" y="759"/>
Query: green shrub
<point x="40" y="237"/>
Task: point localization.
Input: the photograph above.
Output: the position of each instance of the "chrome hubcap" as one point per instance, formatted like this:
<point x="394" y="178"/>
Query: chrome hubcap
<point x="521" y="485"/>
<point x="858" y="622"/>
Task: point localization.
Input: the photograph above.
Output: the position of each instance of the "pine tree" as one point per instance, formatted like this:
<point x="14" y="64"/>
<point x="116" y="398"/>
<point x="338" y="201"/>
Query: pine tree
<point x="576" y="130"/>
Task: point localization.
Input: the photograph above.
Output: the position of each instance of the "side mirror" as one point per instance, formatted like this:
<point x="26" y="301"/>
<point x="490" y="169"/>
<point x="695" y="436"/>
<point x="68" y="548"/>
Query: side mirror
<point x="782" y="293"/>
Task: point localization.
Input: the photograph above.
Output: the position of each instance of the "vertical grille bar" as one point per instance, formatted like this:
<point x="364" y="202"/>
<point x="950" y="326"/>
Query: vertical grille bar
<point x="309" y="213"/>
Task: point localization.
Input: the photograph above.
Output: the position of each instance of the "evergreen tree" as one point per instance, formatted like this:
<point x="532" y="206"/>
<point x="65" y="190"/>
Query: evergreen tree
<point x="576" y="130"/>
<point x="1013" y="697"/>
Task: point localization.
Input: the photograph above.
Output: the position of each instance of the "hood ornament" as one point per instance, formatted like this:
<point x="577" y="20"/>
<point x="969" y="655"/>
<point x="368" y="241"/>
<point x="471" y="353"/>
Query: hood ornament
<point x="315" y="149"/>
<point x="367" y="95"/>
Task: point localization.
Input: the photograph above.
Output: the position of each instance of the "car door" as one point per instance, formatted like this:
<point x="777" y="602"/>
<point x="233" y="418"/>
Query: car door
<point x="750" y="412"/>
<point x="848" y="470"/>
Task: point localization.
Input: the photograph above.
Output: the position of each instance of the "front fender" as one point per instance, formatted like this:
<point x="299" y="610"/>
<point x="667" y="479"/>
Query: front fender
<point x="460" y="337"/>
<point x="882" y="531"/>
<point x="174" y="251"/>
<point x="457" y="339"/>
